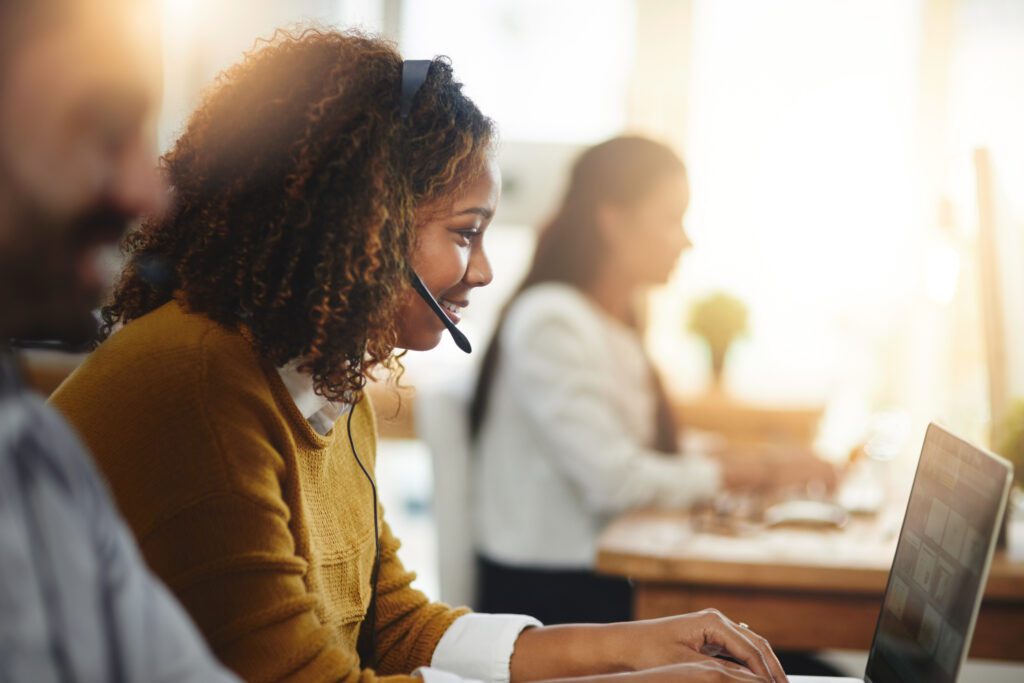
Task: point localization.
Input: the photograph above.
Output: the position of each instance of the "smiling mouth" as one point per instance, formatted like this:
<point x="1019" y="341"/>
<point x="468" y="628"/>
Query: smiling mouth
<point x="454" y="310"/>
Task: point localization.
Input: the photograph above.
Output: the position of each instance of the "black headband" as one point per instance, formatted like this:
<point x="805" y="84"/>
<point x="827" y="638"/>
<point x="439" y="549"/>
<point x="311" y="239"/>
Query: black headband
<point x="414" y="75"/>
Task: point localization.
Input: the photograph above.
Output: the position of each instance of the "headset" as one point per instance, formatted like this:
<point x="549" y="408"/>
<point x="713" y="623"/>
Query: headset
<point x="414" y="75"/>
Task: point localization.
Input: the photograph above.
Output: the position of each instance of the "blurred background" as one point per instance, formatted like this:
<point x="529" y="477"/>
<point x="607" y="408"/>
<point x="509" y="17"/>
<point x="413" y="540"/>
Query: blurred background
<point x="857" y="177"/>
<point x="852" y="168"/>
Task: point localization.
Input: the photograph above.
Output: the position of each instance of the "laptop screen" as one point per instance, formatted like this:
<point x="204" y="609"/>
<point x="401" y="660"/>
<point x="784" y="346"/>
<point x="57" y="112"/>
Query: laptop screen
<point x="940" y="565"/>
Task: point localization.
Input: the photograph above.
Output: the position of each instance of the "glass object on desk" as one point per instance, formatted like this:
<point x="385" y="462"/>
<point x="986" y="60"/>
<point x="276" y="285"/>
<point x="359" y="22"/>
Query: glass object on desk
<point x="730" y="513"/>
<point x="864" y="488"/>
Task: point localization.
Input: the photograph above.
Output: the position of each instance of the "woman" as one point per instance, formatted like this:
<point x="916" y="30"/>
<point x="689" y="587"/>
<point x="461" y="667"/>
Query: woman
<point x="228" y="412"/>
<point x="570" y="422"/>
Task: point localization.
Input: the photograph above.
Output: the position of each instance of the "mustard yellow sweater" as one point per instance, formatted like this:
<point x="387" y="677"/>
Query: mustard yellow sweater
<point x="261" y="527"/>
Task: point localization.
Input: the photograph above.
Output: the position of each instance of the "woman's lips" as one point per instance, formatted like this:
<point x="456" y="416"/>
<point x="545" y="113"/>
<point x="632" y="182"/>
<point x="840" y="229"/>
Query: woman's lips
<point x="453" y="309"/>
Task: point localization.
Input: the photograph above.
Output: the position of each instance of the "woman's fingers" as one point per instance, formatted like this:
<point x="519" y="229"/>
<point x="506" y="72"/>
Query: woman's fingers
<point x="721" y="636"/>
<point x="716" y="670"/>
<point x="737" y="671"/>
<point x="741" y="644"/>
<point x="762" y="644"/>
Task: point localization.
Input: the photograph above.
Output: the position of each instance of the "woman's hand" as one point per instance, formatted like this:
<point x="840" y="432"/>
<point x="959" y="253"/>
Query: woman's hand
<point x="709" y="671"/>
<point x="649" y="650"/>
<point x="697" y="638"/>
<point x="777" y="469"/>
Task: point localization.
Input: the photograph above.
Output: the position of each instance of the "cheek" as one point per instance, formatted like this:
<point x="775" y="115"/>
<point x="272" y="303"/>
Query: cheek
<point x="669" y="249"/>
<point x="654" y="252"/>
<point x="442" y="267"/>
<point x="56" y="166"/>
<point x="418" y="327"/>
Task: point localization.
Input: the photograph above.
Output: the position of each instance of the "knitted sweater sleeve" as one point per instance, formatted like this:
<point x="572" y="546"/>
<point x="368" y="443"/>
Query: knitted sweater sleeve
<point x="409" y="625"/>
<point x="242" y="582"/>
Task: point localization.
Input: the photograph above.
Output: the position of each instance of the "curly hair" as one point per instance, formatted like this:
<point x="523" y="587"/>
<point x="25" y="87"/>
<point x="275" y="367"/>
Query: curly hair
<point x="297" y="188"/>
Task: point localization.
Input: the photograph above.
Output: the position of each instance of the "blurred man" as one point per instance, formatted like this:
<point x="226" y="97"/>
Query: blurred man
<point x="79" y="83"/>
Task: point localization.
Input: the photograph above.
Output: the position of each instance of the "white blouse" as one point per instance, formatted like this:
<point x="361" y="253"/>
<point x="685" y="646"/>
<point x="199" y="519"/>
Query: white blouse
<point x="568" y="438"/>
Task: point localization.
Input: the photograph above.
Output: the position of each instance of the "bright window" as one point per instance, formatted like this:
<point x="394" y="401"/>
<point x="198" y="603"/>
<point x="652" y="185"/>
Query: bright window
<point x="545" y="71"/>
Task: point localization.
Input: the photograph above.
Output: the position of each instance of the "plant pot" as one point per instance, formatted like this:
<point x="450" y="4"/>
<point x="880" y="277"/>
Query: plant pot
<point x="718" y="353"/>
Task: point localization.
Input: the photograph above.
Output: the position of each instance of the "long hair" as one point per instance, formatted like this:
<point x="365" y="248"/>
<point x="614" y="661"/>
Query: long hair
<point x="295" y="186"/>
<point x="570" y="249"/>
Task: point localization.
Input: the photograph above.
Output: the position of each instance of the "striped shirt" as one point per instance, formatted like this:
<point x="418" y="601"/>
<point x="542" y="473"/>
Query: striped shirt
<point x="76" y="599"/>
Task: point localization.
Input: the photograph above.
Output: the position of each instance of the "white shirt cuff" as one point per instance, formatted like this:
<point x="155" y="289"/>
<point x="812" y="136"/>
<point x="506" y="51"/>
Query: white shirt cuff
<point x="431" y="675"/>
<point x="683" y="481"/>
<point x="477" y="647"/>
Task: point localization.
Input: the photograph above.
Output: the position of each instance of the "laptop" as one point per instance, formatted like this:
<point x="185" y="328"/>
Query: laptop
<point x="941" y="564"/>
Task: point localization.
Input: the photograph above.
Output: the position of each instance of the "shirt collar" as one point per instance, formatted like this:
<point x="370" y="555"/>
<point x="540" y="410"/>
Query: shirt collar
<point x="320" y="412"/>
<point x="300" y="387"/>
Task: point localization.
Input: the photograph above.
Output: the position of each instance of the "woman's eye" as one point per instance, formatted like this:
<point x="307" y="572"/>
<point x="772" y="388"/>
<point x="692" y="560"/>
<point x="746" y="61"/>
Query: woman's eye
<point x="466" y="237"/>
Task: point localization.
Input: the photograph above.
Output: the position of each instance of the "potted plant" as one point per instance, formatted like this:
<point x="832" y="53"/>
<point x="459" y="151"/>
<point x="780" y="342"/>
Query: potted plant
<point x="719" y="319"/>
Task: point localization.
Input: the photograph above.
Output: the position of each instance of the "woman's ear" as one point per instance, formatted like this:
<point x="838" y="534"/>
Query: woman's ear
<point x="610" y="219"/>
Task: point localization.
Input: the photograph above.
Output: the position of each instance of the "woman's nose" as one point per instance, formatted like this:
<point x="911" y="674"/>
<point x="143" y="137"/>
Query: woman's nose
<point x="479" y="273"/>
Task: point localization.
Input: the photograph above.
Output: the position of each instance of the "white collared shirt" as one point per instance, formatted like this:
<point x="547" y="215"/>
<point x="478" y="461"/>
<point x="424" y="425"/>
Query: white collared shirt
<point x="476" y="647"/>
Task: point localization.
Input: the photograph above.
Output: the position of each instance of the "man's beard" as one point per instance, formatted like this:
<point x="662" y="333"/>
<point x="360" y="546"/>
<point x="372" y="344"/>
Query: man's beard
<point x="43" y="293"/>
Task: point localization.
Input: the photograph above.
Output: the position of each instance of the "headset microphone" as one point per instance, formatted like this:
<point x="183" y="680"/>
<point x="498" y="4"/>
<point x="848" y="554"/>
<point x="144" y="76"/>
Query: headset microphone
<point x="421" y="289"/>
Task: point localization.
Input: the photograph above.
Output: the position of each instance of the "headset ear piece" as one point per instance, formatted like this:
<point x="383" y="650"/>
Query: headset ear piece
<point x="460" y="339"/>
<point x="414" y="75"/>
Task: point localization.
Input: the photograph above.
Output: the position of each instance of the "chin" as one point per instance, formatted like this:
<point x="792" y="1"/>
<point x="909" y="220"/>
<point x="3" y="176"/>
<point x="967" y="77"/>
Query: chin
<point x="421" y="342"/>
<point x="664" y="277"/>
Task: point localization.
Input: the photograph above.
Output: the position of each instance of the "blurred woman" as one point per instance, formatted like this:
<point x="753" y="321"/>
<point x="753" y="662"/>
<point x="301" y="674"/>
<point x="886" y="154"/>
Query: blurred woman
<point x="570" y="422"/>
<point x="228" y="413"/>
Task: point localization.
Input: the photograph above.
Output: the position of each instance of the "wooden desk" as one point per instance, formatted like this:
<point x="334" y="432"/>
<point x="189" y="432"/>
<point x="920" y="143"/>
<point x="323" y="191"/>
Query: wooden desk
<point x="803" y="590"/>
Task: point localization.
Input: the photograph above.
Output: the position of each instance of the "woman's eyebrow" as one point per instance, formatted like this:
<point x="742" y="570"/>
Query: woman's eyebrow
<point x="481" y="211"/>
